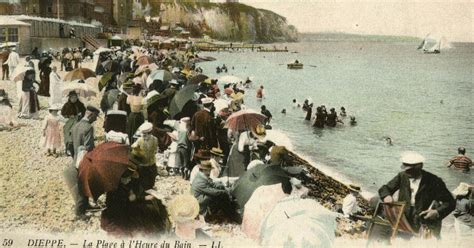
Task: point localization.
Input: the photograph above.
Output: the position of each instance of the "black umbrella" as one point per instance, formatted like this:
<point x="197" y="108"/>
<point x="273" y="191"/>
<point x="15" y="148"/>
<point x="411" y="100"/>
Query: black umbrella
<point x="182" y="97"/>
<point x="256" y="177"/>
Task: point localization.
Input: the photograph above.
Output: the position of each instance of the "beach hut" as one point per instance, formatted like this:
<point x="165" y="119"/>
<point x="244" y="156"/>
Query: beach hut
<point x="115" y="41"/>
<point x="15" y="32"/>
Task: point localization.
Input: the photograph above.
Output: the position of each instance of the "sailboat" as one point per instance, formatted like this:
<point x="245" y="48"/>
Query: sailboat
<point x="430" y="45"/>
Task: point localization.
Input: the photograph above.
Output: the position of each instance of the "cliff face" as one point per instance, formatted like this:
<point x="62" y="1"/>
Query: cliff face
<point x="230" y="22"/>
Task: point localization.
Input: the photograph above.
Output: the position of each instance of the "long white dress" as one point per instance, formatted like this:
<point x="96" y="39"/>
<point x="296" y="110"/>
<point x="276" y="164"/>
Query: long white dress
<point x="55" y="89"/>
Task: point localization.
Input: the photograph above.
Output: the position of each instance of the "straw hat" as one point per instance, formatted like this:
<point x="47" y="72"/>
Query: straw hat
<point x="55" y="107"/>
<point x="202" y="154"/>
<point x="462" y="189"/>
<point x="217" y="151"/>
<point x="410" y="159"/>
<point x="184" y="208"/>
<point x="260" y="131"/>
<point x="205" y="165"/>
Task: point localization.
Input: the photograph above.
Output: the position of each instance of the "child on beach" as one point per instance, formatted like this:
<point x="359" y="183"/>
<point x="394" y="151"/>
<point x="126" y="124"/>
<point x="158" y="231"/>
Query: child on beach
<point x="51" y="132"/>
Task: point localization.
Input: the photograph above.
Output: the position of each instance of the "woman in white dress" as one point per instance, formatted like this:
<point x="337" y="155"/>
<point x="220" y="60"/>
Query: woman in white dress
<point x="55" y="88"/>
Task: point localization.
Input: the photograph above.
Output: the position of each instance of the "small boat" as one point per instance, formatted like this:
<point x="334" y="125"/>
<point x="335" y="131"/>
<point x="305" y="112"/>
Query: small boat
<point x="295" y="66"/>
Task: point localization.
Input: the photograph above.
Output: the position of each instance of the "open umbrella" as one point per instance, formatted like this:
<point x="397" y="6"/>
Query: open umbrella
<point x="157" y="98"/>
<point x="256" y="177"/>
<point x="107" y="64"/>
<point x="101" y="169"/>
<point x="296" y="222"/>
<point x="105" y="80"/>
<point x="197" y="79"/>
<point x="258" y="206"/>
<point x="83" y="90"/>
<point x="162" y="75"/>
<point x="229" y="79"/>
<point x="181" y="98"/>
<point x="244" y="120"/>
<point x="20" y="73"/>
<point x="144" y="60"/>
<point x="220" y="104"/>
<point x="80" y="73"/>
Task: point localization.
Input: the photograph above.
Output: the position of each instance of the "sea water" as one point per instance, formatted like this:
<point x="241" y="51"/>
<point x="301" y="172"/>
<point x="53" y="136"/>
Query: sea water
<point x="423" y="102"/>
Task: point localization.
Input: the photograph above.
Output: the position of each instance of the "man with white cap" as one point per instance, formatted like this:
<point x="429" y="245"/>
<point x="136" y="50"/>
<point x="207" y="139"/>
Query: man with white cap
<point x="464" y="212"/>
<point x="427" y="199"/>
<point x="149" y="145"/>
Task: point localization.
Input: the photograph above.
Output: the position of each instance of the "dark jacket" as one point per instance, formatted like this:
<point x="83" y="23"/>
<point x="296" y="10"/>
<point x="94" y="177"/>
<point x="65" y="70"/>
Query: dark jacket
<point x="432" y="188"/>
<point x="204" y="189"/>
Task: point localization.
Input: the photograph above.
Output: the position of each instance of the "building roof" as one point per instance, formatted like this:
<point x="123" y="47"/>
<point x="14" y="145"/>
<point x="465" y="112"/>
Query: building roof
<point x="8" y="21"/>
<point x="36" y="18"/>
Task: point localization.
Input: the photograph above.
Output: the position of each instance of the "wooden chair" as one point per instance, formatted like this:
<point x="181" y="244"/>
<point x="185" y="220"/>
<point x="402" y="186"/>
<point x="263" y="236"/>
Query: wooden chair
<point x="387" y="221"/>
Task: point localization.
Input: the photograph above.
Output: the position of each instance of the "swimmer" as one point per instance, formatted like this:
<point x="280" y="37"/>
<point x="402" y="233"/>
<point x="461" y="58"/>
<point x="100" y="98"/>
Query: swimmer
<point x="353" y="121"/>
<point x="389" y="141"/>
<point x="283" y="111"/>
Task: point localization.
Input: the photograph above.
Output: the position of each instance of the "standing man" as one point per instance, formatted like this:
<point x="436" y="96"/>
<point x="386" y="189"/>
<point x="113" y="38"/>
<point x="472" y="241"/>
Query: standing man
<point x="427" y="199"/>
<point x="82" y="135"/>
<point x="12" y="61"/>
<point x="461" y="161"/>
<point x="203" y="125"/>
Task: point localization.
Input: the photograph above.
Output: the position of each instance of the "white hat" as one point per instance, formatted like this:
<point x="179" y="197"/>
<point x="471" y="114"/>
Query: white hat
<point x="175" y="69"/>
<point x="54" y="107"/>
<point x="207" y="100"/>
<point x="173" y="135"/>
<point x="173" y="81"/>
<point x="462" y="189"/>
<point x="410" y="158"/>
<point x="146" y="127"/>
<point x="185" y="119"/>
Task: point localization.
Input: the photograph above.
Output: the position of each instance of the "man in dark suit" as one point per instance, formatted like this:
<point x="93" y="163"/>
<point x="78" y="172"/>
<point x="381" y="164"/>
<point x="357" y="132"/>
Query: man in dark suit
<point x="203" y="126"/>
<point x="427" y="199"/>
<point x="82" y="135"/>
<point x="209" y="194"/>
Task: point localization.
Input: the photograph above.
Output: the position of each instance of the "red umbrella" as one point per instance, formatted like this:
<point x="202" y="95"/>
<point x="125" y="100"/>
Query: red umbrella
<point x="244" y="120"/>
<point x="101" y="169"/>
<point x="144" y="60"/>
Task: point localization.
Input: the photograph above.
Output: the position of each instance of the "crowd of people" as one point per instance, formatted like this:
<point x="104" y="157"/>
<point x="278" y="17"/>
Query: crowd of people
<point x="159" y="109"/>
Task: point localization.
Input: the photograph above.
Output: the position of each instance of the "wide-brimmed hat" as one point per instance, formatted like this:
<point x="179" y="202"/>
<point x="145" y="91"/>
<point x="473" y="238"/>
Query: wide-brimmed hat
<point x="278" y="154"/>
<point x="260" y="131"/>
<point x="207" y="100"/>
<point x="185" y="119"/>
<point x="72" y="93"/>
<point x="184" y="208"/>
<point x="354" y="188"/>
<point x="410" y="159"/>
<point x="462" y="189"/>
<point x="93" y="109"/>
<point x="217" y="151"/>
<point x="137" y="156"/>
<point x="146" y="127"/>
<point x="54" y="107"/>
<point x="202" y="154"/>
<point x="205" y="165"/>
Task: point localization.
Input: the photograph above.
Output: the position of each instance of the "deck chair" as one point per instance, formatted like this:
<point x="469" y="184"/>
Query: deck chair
<point x="387" y="221"/>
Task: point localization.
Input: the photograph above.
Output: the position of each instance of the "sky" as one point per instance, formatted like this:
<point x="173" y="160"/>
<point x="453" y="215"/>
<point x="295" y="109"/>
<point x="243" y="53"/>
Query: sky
<point x="452" y="19"/>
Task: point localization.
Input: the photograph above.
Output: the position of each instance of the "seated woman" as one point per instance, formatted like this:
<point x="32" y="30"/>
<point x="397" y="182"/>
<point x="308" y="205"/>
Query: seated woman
<point x="130" y="211"/>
